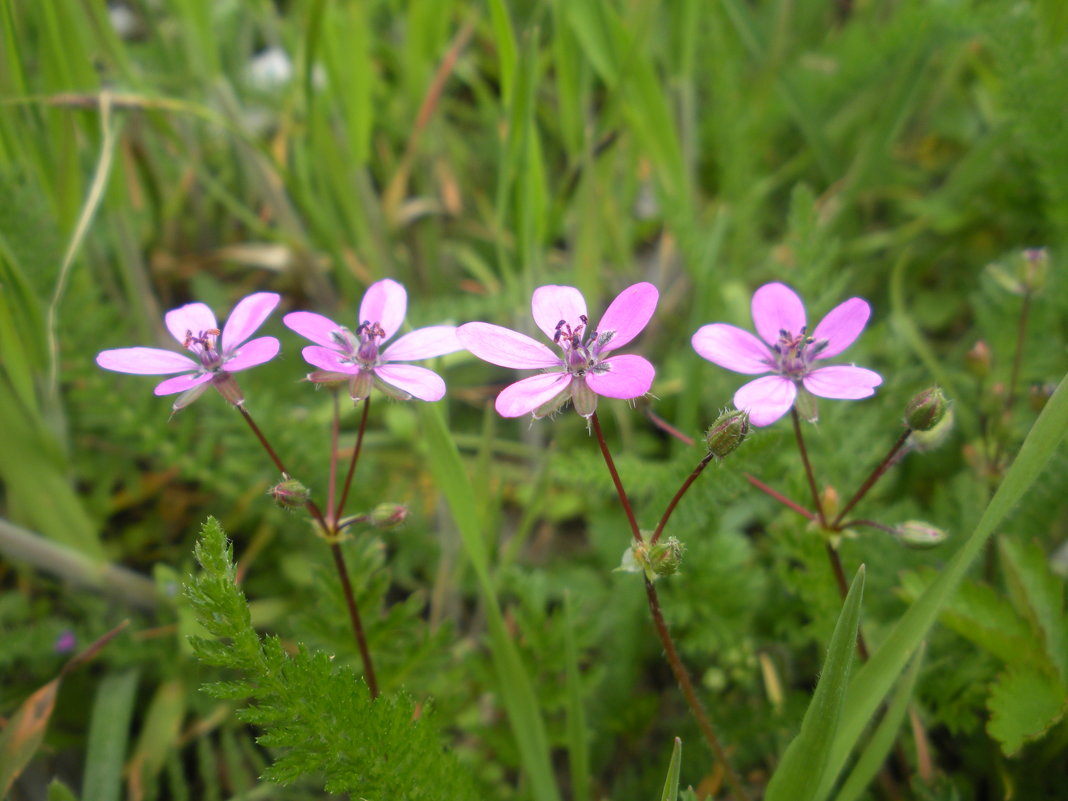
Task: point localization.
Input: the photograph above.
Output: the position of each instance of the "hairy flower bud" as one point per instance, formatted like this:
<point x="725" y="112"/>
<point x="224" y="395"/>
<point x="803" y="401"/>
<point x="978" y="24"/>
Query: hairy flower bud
<point x="727" y="433"/>
<point x="388" y="515"/>
<point x="977" y="360"/>
<point x="665" y="558"/>
<point x="919" y="535"/>
<point x="289" y="493"/>
<point x="926" y="409"/>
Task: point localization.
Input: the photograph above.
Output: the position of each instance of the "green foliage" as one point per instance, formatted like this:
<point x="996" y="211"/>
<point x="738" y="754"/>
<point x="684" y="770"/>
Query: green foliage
<point x="318" y="716"/>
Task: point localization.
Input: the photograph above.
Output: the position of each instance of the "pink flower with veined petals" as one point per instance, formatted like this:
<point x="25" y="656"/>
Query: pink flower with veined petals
<point x="583" y="369"/>
<point x="786" y="350"/>
<point x="355" y="356"/>
<point x="216" y="353"/>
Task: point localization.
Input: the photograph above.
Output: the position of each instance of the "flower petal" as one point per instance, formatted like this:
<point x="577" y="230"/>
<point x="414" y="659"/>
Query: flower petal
<point x="385" y="302"/>
<point x="505" y="347"/>
<point x="256" y="351"/>
<point x="766" y="399"/>
<point x="732" y="348"/>
<point x="627" y="315"/>
<point x="180" y="383"/>
<point x="327" y="359"/>
<point x="843" y="382"/>
<point x="628" y="376"/>
<point x="145" y="361"/>
<point x="247" y="316"/>
<point x="191" y="318"/>
<point x="423" y="343"/>
<point x="777" y="308"/>
<point x="523" y="397"/>
<point x="550" y="304"/>
<point x="312" y="326"/>
<point x="841" y="326"/>
<point x="416" y="381"/>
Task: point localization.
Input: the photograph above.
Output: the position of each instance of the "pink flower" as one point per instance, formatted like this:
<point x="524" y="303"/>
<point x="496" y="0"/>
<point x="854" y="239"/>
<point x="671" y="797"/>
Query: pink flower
<point x="216" y="354"/>
<point x="344" y="355"/>
<point x="786" y="350"/>
<point x="582" y="370"/>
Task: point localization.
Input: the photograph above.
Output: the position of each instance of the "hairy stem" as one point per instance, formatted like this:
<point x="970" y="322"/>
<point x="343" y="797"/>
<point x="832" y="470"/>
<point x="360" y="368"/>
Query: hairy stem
<point x="330" y="532"/>
<point x="869" y="482"/>
<point x="678" y="497"/>
<point x="682" y="676"/>
<point x="623" y="499"/>
<point x="808" y="467"/>
<point x="355" y="456"/>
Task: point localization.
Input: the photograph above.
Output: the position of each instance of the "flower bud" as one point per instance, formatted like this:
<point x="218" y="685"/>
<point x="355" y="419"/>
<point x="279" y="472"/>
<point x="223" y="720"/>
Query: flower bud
<point x="388" y="515"/>
<point x="1033" y="269"/>
<point x="919" y="535"/>
<point x="727" y="433"/>
<point x="289" y="493"/>
<point x="665" y="558"/>
<point x="1038" y="394"/>
<point x="583" y="398"/>
<point x="926" y="410"/>
<point x="977" y="360"/>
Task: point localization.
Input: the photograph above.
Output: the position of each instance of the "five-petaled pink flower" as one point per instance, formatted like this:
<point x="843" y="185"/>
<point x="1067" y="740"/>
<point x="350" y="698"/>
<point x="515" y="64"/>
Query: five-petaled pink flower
<point x="354" y="356"/>
<point x="789" y="352"/>
<point x="216" y="354"/>
<point x="582" y="369"/>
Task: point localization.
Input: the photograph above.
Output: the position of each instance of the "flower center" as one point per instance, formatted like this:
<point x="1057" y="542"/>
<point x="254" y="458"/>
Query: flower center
<point x="203" y="345"/>
<point x="794" y="353"/>
<point x="360" y="347"/>
<point x="579" y="355"/>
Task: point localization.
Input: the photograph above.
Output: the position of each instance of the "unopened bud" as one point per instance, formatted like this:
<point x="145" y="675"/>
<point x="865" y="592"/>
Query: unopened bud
<point x="926" y="410"/>
<point x="727" y="433"/>
<point x="388" y="515"/>
<point x="665" y="558"/>
<point x="289" y="493"/>
<point x="978" y="360"/>
<point x="919" y="535"/>
<point x="1039" y="394"/>
<point x="1033" y="269"/>
<point x="829" y="502"/>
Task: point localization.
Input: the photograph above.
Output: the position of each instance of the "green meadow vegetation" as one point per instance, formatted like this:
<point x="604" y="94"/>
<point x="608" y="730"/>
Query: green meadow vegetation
<point x="167" y="631"/>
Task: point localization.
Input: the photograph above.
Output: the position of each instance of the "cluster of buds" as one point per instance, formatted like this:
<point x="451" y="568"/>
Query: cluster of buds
<point x="663" y="558"/>
<point x="1025" y="274"/>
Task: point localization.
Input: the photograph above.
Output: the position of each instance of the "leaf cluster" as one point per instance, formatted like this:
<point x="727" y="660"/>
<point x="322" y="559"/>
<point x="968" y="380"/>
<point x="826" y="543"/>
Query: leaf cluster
<point x="317" y="716"/>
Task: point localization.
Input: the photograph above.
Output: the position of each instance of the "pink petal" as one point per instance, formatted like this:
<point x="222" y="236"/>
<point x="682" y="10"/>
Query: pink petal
<point x="247" y="316"/>
<point x="145" y="361"/>
<point x="766" y="399"/>
<point x="841" y="326"/>
<point x="180" y="383"/>
<point x="256" y="351"/>
<point x="424" y="343"/>
<point x="327" y="359"/>
<point x="843" y="382"/>
<point x="312" y="326"/>
<point x="628" y="314"/>
<point x="777" y="308"/>
<point x="628" y="376"/>
<point x="523" y="397"/>
<point x="550" y="304"/>
<point x="416" y="381"/>
<point x="732" y="348"/>
<point x="385" y="302"/>
<point x="504" y="347"/>
<point x="190" y="318"/>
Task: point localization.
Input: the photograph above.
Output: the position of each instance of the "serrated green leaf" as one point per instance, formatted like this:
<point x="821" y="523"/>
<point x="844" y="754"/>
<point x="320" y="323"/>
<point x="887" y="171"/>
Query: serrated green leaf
<point x="805" y="760"/>
<point x="1024" y="703"/>
<point x="1039" y="595"/>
